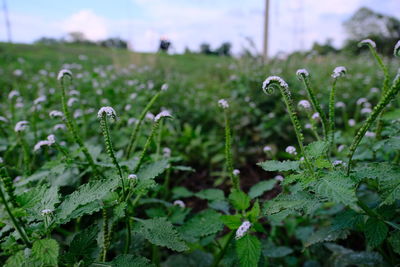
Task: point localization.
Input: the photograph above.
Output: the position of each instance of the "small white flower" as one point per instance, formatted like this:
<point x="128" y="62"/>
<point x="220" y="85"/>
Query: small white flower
<point x="302" y="72"/>
<point x="12" y="94"/>
<point x="164" y="87"/>
<point x="308" y="126"/>
<point x="179" y="203"/>
<point x="366" y="110"/>
<point x="267" y="149"/>
<point x="340" y="104"/>
<point x="18" y="72"/>
<point x="167" y="152"/>
<point x="3" y="119"/>
<point x="370" y="134"/>
<point x="56" y="113"/>
<point x="236" y="172"/>
<point x="361" y="101"/>
<point x="374" y="90"/>
<point x="352" y="122"/>
<point x="341" y="147"/>
<point x="127" y="107"/>
<point x="223" y="103"/>
<point x="133" y="96"/>
<point x="304" y="104"/>
<point x="21" y="126"/>
<point x="50" y="140"/>
<point x="46" y="212"/>
<point x="108" y="111"/>
<point x="367" y="42"/>
<point x="59" y="126"/>
<point x="315" y="116"/>
<point x="279" y="178"/>
<point x="291" y="150"/>
<point x="338" y="72"/>
<point x="78" y="113"/>
<point x="17" y="179"/>
<point x="71" y="101"/>
<point x="243" y="228"/>
<point x="162" y="114"/>
<point x="132" y="176"/>
<point x="271" y="79"/>
<point x="74" y="92"/>
<point x="62" y="73"/>
<point x="39" y="100"/>
<point x="132" y="121"/>
<point x="338" y="162"/>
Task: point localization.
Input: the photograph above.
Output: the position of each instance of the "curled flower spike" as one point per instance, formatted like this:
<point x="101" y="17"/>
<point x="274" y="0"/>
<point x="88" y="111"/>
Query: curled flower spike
<point x="162" y="114"/>
<point x="243" y="228"/>
<point x="12" y="94"/>
<point x="164" y="87"/>
<point x="179" y="203"/>
<point x="56" y="113"/>
<point x="39" y="100"/>
<point x="338" y="163"/>
<point x="64" y="72"/>
<point x="267" y="149"/>
<point x="396" y="50"/>
<point x="368" y="42"/>
<point x="267" y="84"/>
<point x="21" y="126"/>
<point x="361" y="101"/>
<point x="236" y="172"/>
<point x="340" y="104"/>
<point x="167" y="152"/>
<point x="223" y="103"/>
<point x="108" y="111"/>
<point x="132" y="176"/>
<point x="279" y="178"/>
<point x="291" y="150"/>
<point x="60" y="126"/>
<point x="338" y="72"/>
<point x="50" y="140"/>
<point x="46" y="212"/>
<point x="71" y="101"/>
<point x="304" y="104"/>
<point x="366" y="110"/>
<point x="315" y="116"/>
<point x="302" y="73"/>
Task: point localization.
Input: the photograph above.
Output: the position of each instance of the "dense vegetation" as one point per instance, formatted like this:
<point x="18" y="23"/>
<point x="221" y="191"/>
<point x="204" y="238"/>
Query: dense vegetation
<point x="112" y="158"/>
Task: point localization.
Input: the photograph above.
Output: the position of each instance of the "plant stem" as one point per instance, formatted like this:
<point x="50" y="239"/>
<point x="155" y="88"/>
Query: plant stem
<point x="223" y="251"/>
<point x="332" y="113"/>
<point x="228" y="152"/>
<point x="146" y="147"/>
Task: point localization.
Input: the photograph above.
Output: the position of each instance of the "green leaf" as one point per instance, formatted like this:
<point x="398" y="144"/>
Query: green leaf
<point x="338" y="188"/>
<point x="274" y="165"/>
<point x="394" y="240"/>
<point x="82" y="246"/>
<point x="326" y="234"/>
<point x="161" y="232"/>
<point x="202" y="224"/>
<point x="254" y="213"/>
<point x="271" y="251"/>
<point x="232" y="221"/>
<point x="300" y="201"/>
<point x="126" y="260"/>
<point x="239" y="200"/>
<point x="317" y="149"/>
<point x="261" y="187"/>
<point x="211" y="194"/>
<point x="375" y="232"/>
<point x="85" y="194"/>
<point x="181" y="192"/>
<point x="45" y="252"/>
<point x="17" y="259"/>
<point x="248" y="249"/>
<point x="152" y="170"/>
<point x="342" y="256"/>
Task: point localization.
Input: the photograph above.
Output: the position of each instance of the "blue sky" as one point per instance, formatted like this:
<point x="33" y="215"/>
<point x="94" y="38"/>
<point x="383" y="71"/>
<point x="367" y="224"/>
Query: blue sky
<point x="295" y="24"/>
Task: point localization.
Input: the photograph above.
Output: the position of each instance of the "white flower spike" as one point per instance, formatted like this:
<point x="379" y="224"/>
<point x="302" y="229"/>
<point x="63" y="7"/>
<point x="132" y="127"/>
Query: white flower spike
<point x="338" y="72"/>
<point x="236" y="172"/>
<point x="291" y="150"/>
<point x="302" y="72"/>
<point x="46" y="212"/>
<point x="162" y="114"/>
<point x="108" y="111"/>
<point x="56" y="113"/>
<point x="304" y="104"/>
<point x="50" y="140"/>
<point x="21" y="126"/>
<point x="62" y="73"/>
<point x="223" y="103"/>
<point x="243" y="228"/>
<point x="367" y="42"/>
<point x="179" y="203"/>
<point x="396" y="51"/>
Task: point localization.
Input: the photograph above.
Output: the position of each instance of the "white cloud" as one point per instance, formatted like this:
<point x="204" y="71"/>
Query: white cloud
<point x="93" y="26"/>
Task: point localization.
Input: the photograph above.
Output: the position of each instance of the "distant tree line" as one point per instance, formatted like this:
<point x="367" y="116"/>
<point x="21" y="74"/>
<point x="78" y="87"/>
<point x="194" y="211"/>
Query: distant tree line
<point x="79" y="38"/>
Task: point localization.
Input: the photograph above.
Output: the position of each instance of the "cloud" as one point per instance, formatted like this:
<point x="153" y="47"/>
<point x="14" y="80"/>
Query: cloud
<point x="93" y="26"/>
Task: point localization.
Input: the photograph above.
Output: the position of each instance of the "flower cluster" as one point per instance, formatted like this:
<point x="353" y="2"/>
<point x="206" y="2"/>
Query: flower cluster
<point x="223" y="103"/>
<point x="338" y="72"/>
<point x="108" y="111"/>
<point x="162" y="114"/>
<point x="179" y="203"/>
<point x="243" y="228"/>
<point x="291" y="150"/>
<point x="21" y="126"/>
<point x="62" y="73"/>
<point x="304" y="104"/>
<point x="50" y="140"/>
<point x="302" y="72"/>
<point x="367" y="42"/>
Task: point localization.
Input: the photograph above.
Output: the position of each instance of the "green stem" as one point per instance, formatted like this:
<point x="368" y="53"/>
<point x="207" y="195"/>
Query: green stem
<point x="106" y="235"/>
<point x="138" y="124"/>
<point x="20" y="229"/>
<point x="228" y="152"/>
<point x="332" y="113"/>
<point x="159" y="138"/>
<point x="223" y="251"/>
<point x="146" y="147"/>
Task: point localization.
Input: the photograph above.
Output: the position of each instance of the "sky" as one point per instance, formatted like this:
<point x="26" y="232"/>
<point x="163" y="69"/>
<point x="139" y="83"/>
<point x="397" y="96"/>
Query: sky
<point x="294" y="24"/>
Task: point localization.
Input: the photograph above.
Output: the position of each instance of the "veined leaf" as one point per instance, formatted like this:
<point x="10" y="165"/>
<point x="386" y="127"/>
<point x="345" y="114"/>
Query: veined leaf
<point x="261" y="187"/>
<point x="152" y="170"/>
<point x="211" y="194"/>
<point x="317" y="149"/>
<point x="300" y="201"/>
<point x="202" y="224"/>
<point x="375" y="232"/>
<point x="394" y="241"/>
<point x="45" y="252"/>
<point x="274" y="165"/>
<point x="248" y="249"/>
<point x="239" y="200"/>
<point x="326" y="234"/>
<point x="127" y="260"/>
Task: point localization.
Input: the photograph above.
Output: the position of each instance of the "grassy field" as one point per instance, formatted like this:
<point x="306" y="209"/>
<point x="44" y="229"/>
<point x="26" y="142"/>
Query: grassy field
<point x="123" y="186"/>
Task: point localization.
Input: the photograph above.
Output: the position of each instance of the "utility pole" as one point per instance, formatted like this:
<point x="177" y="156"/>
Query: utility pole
<point x="266" y="25"/>
<point x="7" y="20"/>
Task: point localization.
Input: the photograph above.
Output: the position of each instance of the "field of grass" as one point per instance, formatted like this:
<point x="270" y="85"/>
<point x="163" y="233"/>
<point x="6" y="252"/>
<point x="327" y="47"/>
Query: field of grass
<point x="114" y="158"/>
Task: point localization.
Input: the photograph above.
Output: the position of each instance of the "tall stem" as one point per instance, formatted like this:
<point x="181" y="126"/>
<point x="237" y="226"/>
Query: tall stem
<point x="332" y="113"/>
<point x="223" y="250"/>
<point x="228" y="152"/>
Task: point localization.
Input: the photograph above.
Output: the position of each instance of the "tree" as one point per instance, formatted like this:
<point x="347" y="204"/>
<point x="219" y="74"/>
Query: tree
<point x="224" y="49"/>
<point x="205" y="48"/>
<point x="115" y="42"/>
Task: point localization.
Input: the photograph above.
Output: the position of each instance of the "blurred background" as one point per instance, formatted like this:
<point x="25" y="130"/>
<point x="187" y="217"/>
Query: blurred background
<point x="207" y="26"/>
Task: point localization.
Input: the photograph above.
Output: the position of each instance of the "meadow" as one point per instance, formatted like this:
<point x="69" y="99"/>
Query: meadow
<point x="115" y="158"/>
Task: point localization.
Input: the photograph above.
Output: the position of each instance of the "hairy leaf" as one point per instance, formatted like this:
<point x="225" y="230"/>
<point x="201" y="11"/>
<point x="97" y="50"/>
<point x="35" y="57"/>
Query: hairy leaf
<point x="326" y="234"/>
<point x="126" y="260"/>
<point x="211" y="194"/>
<point x="45" y="252"/>
<point x="261" y="187"/>
<point x="375" y="232"/>
<point x="82" y="246"/>
<point x="394" y="241"/>
<point x="152" y="170"/>
<point x="317" y="149"/>
<point x="239" y="200"/>
<point x="202" y="224"/>
<point x="248" y="249"/>
<point x="274" y="165"/>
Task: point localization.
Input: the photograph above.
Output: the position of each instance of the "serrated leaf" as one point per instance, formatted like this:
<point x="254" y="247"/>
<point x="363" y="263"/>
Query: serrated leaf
<point x="181" y="192"/>
<point x="127" y="260"/>
<point x="239" y="200"/>
<point x="271" y="251"/>
<point x="82" y="246"/>
<point x="300" y="201"/>
<point x="394" y="240"/>
<point x="248" y="249"/>
<point x="161" y="232"/>
<point x="375" y="232"/>
<point x="17" y="259"/>
<point x="338" y="188"/>
<point x="274" y="165"/>
<point x="202" y="224"/>
<point x="85" y="194"/>
<point x="211" y="194"/>
<point x="196" y="259"/>
<point x="232" y="221"/>
<point x="254" y="213"/>
<point x="326" y="234"/>
<point x="317" y="149"/>
<point x="45" y="252"/>
<point x="261" y="187"/>
<point x="346" y="257"/>
<point x="152" y="170"/>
